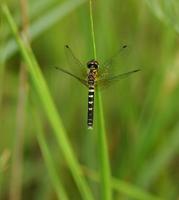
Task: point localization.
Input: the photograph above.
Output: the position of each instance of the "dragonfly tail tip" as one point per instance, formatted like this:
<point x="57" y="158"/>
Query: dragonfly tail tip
<point x="124" y="46"/>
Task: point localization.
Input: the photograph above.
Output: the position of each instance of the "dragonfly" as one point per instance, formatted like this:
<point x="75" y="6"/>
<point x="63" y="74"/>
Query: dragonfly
<point x="93" y="75"/>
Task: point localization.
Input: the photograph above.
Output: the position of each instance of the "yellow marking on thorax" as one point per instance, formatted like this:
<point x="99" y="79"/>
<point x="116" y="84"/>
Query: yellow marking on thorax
<point x="94" y="73"/>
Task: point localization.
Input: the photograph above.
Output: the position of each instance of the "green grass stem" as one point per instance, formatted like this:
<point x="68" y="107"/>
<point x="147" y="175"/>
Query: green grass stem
<point x="105" y="173"/>
<point x="92" y="29"/>
<point x="44" y="23"/>
<point x="161" y="160"/>
<point x="123" y="187"/>
<point x="55" y="179"/>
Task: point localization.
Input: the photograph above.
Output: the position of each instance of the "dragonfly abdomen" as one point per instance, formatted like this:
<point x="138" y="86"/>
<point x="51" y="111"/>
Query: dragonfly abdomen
<point x="90" y="106"/>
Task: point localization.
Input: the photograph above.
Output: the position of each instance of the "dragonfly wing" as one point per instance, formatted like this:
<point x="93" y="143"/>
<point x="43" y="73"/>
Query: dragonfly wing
<point x="83" y="81"/>
<point x="108" y="81"/>
<point x="111" y="65"/>
<point x="74" y="65"/>
<point x="111" y="60"/>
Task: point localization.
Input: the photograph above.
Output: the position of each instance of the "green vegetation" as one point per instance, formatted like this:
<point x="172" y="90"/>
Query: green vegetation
<point x="46" y="151"/>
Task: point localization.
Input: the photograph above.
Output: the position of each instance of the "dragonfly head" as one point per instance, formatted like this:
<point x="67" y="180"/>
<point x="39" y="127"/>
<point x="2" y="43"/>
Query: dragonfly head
<point x="92" y="64"/>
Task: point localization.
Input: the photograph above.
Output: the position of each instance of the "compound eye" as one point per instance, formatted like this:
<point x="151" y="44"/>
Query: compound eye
<point x="92" y="64"/>
<point x="89" y="65"/>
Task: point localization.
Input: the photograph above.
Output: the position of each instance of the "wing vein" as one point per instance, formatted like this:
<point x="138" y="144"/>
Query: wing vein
<point x="84" y="82"/>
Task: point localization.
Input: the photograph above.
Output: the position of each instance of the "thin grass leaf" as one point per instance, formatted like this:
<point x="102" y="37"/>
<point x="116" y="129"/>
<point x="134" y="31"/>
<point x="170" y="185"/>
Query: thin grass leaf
<point x="35" y="9"/>
<point x="92" y="29"/>
<point x="38" y="7"/>
<point x="102" y="141"/>
<point x="4" y="164"/>
<point x="132" y="191"/>
<point x="2" y="72"/>
<point x="162" y="158"/>
<point x="105" y="173"/>
<point x="50" y="109"/>
<point x="158" y="118"/>
<point x="55" y="180"/>
<point x="2" y="57"/>
<point x="167" y="11"/>
<point x="123" y="187"/>
<point x="44" y="23"/>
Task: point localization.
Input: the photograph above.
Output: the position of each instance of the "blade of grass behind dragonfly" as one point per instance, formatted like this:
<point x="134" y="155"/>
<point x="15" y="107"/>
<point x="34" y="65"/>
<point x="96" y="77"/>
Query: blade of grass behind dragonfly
<point x="55" y="179"/>
<point x="167" y="11"/>
<point x="44" y="23"/>
<point x="35" y="9"/>
<point x="162" y="158"/>
<point x="2" y="56"/>
<point x="122" y="187"/>
<point x="4" y="163"/>
<point x="105" y="173"/>
<point x="50" y="109"/>
<point x="157" y="119"/>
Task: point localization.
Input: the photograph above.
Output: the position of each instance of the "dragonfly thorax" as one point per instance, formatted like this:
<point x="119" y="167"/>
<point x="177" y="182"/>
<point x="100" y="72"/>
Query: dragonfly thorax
<point x="92" y="76"/>
<point x="93" y="64"/>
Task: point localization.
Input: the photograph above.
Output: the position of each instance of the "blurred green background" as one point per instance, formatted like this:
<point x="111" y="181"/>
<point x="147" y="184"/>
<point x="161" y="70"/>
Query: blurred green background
<point x="141" y="112"/>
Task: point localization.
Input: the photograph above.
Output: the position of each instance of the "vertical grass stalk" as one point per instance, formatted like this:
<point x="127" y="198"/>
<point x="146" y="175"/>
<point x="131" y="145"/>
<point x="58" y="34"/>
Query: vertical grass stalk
<point x="55" y="180"/>
<point x="17" y="161"/>
<point x="92" y="29"/>
<point x="3" y="42"/>
<point x="105" y="174"/>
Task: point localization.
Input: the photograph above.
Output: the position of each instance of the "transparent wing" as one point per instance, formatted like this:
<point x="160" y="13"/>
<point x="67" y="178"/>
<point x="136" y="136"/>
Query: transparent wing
<point x="84" y="82"/>
<point x="111" y="60"/>
<point x="108" y="81"/>
<point x="74" y="66"/>
<point x="111" y="67"/>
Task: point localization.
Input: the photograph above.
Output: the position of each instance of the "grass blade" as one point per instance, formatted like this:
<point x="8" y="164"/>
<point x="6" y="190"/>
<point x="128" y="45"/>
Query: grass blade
<point x="50" y="109"/>
<point x="167" y="11"/>
<point x="4" y="164"/>
<point x="103" y="149"/>
<point x="58" y="186"/>
<point x="164" y="156"/>
<point x="123" y="187"/>
<point x="105" y="173"/>
<point x="44" y="23"/>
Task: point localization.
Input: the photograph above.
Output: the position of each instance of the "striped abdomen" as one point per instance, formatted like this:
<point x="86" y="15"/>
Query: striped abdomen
<point x="90" y="106"/>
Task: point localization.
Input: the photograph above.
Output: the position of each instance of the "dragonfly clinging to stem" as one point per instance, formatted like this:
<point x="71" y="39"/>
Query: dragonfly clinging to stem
<point x="92" y="76"/>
